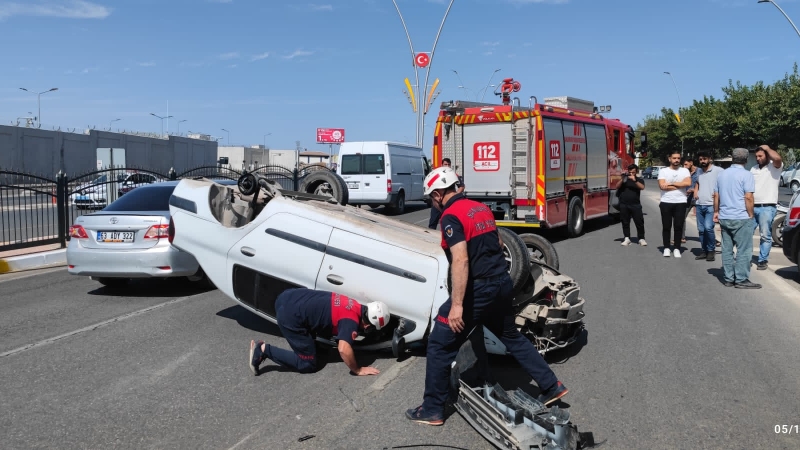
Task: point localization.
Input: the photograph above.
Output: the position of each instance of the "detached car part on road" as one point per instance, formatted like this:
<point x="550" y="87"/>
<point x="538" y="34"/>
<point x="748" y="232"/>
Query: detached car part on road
<point x="257" y="241"/>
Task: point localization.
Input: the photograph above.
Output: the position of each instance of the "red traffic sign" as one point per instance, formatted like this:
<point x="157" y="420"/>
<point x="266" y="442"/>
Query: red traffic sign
<point x="422" y="59"/>
<point x="330" y="135"/>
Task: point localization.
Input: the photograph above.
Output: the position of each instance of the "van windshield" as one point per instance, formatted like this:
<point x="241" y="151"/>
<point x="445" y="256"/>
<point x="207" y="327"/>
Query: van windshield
<point x="363" y="165"/>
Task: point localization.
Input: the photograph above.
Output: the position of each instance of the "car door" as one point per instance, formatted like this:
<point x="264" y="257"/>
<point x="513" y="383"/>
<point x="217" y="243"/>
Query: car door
<point x="417" y="178"/>
<point x="282" y="252"/>
<point x="367" y="270"/>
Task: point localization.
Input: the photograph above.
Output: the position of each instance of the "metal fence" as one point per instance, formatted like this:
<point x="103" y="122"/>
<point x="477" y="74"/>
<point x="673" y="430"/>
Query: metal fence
<point x="36" y="210"/>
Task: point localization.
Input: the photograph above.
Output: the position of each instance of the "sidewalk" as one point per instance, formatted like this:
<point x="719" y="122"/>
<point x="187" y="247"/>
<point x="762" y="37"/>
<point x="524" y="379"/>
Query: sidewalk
<point x="32" y="258"/>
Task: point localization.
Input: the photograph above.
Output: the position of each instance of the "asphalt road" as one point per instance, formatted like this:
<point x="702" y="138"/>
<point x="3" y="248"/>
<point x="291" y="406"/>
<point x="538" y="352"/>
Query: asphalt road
<point x="671" y="359"/>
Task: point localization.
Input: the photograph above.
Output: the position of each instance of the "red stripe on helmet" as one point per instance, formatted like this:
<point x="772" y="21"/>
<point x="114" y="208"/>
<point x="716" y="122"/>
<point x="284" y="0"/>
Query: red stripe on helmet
<point x="435" y="177"/>
<point x="380" y="321"/>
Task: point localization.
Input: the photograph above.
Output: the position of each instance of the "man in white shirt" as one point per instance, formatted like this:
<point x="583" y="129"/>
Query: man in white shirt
<point x="673" y="181"/>
<point x="767" y="174"/>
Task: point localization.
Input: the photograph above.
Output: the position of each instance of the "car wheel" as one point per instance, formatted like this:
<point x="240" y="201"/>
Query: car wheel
<point x="795" y="186"/>
<point x="399" y="204"/>
<point x="540" y="249"/>
<point x="113" y="282"/>
<point x="777" y="229"/>
<point x="575" y="217"/>
<point x="517" y="256"/>
<point x="327" y="184"/>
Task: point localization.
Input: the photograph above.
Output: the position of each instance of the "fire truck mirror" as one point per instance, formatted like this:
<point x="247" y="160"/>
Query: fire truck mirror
<point x="644" y="139"/>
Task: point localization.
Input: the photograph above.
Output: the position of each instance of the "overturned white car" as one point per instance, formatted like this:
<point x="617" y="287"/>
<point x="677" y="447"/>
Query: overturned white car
<point x="258" y="240"/>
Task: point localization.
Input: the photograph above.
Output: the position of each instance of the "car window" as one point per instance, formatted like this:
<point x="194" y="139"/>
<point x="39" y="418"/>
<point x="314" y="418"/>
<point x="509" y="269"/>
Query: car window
<point x="351" y="165"/>
<point x="373" y="165"/>
<point x="155" y="198"/>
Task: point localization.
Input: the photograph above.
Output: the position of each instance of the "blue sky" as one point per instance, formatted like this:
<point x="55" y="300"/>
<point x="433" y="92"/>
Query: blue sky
<point x="256" y="67"/>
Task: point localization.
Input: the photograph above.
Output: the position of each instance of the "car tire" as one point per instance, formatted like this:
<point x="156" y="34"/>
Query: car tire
<point x="575" y="217"/>
<point x="777" y="229"/>
<point x="795" y="186"/>
<point x="541" y="249"/>
<point x="113" y="282"/>
<point x="399" y="206"/>
<point x="326" y="183"/>
<point x="516" y="252"/>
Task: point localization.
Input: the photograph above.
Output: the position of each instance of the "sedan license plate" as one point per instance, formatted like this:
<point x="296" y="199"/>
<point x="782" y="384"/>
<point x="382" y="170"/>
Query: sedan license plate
<point x="352" y="185"/>
<point x="115" y="236"/>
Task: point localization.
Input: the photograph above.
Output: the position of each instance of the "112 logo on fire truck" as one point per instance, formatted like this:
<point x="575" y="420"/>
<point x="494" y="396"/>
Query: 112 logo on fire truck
<point x="555" y="154"/>
<point x="486" y="156"/>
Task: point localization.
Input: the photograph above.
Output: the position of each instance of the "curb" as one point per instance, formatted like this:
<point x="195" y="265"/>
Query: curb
<point x="33" y="261"/>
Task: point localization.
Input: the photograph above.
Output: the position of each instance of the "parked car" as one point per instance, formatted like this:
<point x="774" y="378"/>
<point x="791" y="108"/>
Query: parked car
<point x="128" y="239"/>
<point x="257" y="241"/>
<point x="647" y="172"/>
<point x="790" y="235"/>
<point x="95" y="193"/>
<point x="135" y="180"/>
<point x="791" y="176"/>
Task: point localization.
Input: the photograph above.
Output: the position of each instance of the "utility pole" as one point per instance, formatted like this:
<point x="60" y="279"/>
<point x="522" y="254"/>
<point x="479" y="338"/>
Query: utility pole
<point x="39" y="102"/>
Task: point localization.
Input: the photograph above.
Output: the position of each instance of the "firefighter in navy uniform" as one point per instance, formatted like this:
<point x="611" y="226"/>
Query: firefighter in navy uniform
<point x="481" y="295"/>
<point x="303" y="314"/>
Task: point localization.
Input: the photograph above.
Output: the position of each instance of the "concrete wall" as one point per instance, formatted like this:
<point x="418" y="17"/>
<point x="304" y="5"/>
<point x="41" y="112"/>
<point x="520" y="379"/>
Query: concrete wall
<point x="244" y="157"/>
<point x="283" y="158"/>
<point x="46" y="152"/>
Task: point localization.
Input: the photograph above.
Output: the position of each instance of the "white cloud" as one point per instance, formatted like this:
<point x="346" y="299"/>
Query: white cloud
<point x="488" y="53"/>
<point x="260" y="56"/>
<point x="126" y="69"/>
<point x="298" y="53"/>
<point x="233" y="66"/>
<point x="147" y="64"/>
<point x="69" y="9"/>
<point x="229" y="55"/>
<point x="490" y="44"/>
<point x="314" y="7"/>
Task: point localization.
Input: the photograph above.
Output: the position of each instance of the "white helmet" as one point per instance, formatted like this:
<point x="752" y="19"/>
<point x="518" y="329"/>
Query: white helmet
<point x="378" y="314"/>
<point x="441" y="178"/>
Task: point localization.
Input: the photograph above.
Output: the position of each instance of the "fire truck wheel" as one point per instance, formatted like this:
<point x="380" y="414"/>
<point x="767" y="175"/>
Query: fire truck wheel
<point x="540" y="249"/>
<point x="330" y="184"/>
<point x="518" y="257"/>
<point x="575" y="217"/>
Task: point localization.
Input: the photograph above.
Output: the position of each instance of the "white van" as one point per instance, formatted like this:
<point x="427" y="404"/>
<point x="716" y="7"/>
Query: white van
<point x="383" y="173"/>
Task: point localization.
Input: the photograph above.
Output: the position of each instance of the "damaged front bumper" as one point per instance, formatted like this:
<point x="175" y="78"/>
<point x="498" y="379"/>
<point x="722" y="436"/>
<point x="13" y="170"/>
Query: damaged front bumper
<point x="509" y="420"/>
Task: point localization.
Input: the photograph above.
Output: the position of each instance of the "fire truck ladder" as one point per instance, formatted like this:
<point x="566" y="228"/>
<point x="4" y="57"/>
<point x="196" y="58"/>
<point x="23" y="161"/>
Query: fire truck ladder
<point x="522" y="154"/>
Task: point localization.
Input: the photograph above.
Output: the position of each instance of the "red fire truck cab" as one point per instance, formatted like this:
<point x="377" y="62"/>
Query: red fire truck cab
<point x="546" y="165"/>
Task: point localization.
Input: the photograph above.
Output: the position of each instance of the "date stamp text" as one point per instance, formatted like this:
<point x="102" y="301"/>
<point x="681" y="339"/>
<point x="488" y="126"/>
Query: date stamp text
<point x="787" y="429"/>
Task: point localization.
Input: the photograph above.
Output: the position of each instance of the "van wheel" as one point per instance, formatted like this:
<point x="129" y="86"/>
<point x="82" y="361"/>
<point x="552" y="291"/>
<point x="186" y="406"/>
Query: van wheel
<point x="399" y="204"/>
<point x="328" y="184"/>
<point x="575" y="217"/>
<point x="540" y="249"/>
<point x="519" y="260"/>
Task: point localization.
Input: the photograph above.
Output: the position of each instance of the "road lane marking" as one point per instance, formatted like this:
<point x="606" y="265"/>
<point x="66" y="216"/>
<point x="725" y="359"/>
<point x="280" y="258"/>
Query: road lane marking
<point x="94" y="326"/>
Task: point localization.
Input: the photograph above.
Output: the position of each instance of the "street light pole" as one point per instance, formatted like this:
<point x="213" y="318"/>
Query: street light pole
<point x="421" y="99"/>
<point x="782" y="12"/>
<point x="162" y="121"/>
<point x="39" y="102"/>
<point x="109" y="123"/>
<point x="179" y="125"/>
<point x="680" y="106"/>
<point x="229" y="135"/>
<point x="489" y="83"/>
<point x="265" y="139"/>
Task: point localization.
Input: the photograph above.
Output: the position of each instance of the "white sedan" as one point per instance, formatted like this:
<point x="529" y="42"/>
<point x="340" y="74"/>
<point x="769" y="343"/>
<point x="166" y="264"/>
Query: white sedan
<point x="255" y="242"/>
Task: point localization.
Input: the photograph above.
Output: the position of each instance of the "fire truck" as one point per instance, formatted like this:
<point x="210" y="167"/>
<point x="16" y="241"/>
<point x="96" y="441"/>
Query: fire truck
<point x="546" y="165"/>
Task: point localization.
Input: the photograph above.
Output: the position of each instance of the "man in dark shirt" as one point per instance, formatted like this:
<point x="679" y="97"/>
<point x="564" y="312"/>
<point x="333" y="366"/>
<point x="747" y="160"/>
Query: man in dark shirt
<point x="481" y="295"/>
<point x="436" y="214"/>
<point x="303" y="314"/>
<point x="629" y="189"/>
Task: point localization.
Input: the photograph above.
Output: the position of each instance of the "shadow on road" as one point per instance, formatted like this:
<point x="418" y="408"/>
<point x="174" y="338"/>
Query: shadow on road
<point x="168" y="287"/>
<point x="789" y="274"/>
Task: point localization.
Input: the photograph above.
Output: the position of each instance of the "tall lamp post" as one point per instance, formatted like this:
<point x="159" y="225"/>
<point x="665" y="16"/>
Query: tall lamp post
<point x="489" y="83"/>
<point x="229" y="135"/>
<point x="422" y="99"/>
<point x="782" y="12"/>
<point x="39" y="102"/>
<point x="265" y="139"/>
<point x="680" y="106"/>
<point x="162" y="121"/>
<point x="109" y="123"/>
<point x="179" y="125"/>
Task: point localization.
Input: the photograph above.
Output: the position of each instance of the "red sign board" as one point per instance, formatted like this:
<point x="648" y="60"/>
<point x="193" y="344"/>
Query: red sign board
<point x="422" y="59"/>
<point x="330" y="135"/>
<point x="555" y="154"/>
<point x="486" y="156"/>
